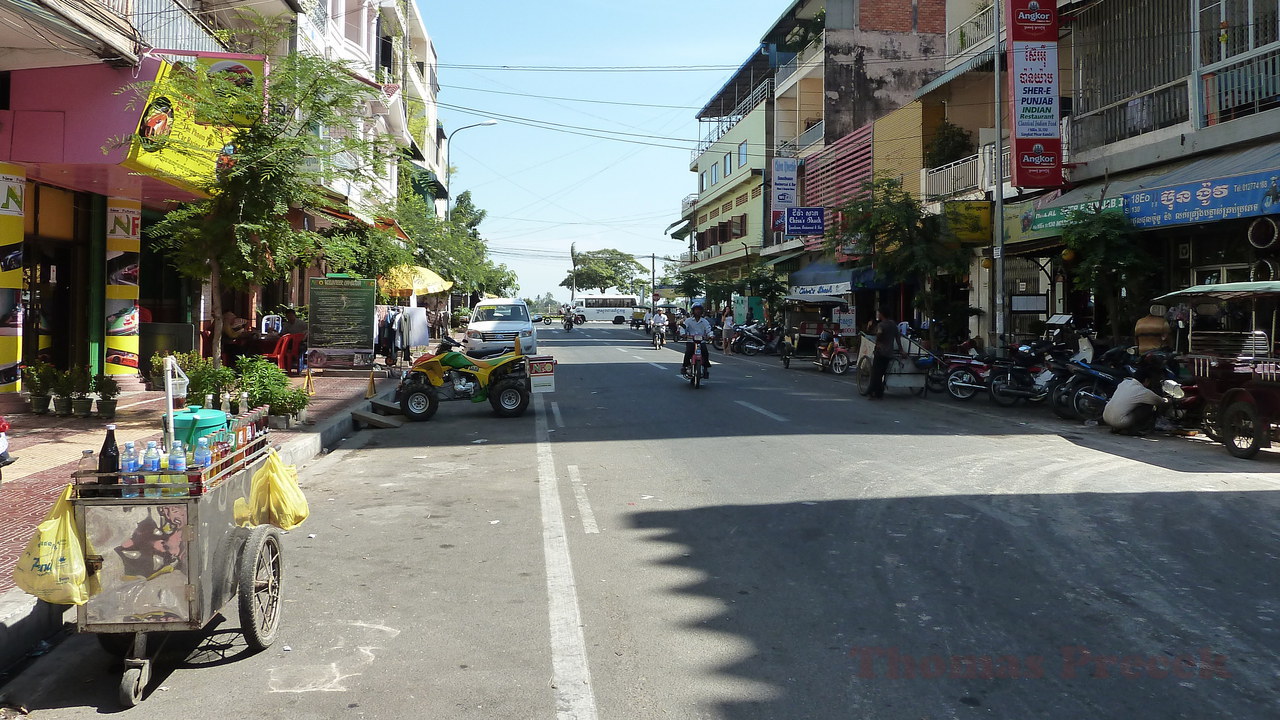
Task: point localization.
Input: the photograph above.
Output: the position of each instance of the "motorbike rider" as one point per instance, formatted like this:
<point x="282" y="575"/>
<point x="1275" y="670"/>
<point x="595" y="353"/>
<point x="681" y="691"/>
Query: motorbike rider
<point x="658" y="322"/>
<point x="696" y="324"/>
<point x="1135" y="406"/>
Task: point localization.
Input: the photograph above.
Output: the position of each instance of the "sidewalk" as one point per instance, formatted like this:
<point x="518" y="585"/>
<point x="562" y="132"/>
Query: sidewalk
<point x="49" y="447"/>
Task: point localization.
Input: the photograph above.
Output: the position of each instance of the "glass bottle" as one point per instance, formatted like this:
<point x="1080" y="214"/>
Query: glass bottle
<point x="109" y="463"/>
<point x="86" y="462"/>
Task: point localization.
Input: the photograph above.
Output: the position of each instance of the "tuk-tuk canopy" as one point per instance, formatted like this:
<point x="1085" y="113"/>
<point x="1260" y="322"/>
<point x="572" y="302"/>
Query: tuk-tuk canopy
<point x="1223" y="291"/>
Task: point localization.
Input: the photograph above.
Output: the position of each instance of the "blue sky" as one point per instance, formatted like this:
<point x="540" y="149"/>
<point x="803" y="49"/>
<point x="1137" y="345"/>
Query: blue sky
<point x="545" y="189"/>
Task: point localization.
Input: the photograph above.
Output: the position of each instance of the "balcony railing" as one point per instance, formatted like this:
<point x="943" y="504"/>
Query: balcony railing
<point x="1161" y="107"/>
<point x="979" y="27"/>
<point x="1240" y="88"/>
<point x="687" y="203"/>
<point x="168" y="24"/>
<point x="717" y="130"/>
<point x="952" y="179"/>
<point x="789" y="68"/>
<point x="810" y="136"/>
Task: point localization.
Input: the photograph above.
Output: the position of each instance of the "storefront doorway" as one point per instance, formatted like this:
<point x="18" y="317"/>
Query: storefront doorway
<point x="55" y="294"/>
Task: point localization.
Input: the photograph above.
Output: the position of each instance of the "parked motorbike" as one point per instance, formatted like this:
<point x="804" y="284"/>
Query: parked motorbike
<point x="502" y="379"/>
<point x="750" y="339"/>
<point x="1095" y="382"/>
<point x="835" y="358"/>
<point x="1029" y="374"/>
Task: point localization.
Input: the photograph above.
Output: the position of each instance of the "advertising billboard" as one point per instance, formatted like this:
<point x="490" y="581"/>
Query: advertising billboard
<point x="1035" y="133"/>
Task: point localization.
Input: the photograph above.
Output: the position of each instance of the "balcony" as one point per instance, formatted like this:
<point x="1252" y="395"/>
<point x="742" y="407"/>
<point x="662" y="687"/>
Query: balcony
<point x="792" y="147"/>
<point x="1158" y="108"/>
<point x="1241" y="87"/>
<point x="688" y="203"/>
<point x="815" y="49"/>
<point x="953" y="178"/>
<point x="717" y="130"/>
<point x="972" y="32"/>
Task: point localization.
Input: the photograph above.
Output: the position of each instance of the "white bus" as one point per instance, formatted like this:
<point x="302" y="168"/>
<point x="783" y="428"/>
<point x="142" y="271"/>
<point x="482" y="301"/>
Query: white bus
<point x="609" y="308"/>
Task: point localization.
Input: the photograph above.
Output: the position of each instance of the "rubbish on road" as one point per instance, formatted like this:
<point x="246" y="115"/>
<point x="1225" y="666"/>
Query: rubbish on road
<point x="646" y="497"/>
<point x="312" y="535"/>
<point x="494" y="522"/>
<point x="287" y="648"/>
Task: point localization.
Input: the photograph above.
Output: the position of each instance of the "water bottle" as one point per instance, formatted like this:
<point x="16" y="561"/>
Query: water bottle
<point x="203" y="456"/>
<point x="151" y="463"/>
<point x="87" y="485"/>
<point x="128" y="465"/>
<point x="177" y="464"/>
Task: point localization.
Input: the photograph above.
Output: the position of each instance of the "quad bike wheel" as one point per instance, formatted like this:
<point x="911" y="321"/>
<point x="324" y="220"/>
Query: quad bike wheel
<point x="509" y="398"/>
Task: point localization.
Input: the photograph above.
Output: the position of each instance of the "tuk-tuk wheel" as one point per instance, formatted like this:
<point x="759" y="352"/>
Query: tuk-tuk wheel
<point x="260" y="575"/>
<point x="1241" y="430"/>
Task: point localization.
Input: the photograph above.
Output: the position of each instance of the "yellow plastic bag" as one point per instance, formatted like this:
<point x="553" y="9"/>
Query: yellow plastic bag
<point x="52" y="567"/>
<point x="275" y="497"/>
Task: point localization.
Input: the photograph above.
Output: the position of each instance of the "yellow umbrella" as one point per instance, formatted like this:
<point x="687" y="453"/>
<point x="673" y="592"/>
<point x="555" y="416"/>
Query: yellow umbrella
<point x="412" y="280"/>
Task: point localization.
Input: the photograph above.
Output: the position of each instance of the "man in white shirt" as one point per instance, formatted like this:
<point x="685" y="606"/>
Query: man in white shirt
<point x="1133" y="407"/>
<point x="696" y="325"/>
<point x="658" y="320"/>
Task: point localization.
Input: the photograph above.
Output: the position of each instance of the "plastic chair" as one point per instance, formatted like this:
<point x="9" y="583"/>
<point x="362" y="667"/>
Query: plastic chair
<point x="288" y="348"/>
<point x="271" y="323"/>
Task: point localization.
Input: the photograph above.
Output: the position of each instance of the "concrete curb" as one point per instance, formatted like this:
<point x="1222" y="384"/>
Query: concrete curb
<point x="26" y="621"/>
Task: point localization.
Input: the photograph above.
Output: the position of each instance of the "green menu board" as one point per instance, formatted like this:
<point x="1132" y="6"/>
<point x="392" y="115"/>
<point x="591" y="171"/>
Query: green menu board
<point x="340" y="323"/>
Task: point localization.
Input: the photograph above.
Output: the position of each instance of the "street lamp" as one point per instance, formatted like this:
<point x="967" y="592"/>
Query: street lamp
<point x="448" y="169"/>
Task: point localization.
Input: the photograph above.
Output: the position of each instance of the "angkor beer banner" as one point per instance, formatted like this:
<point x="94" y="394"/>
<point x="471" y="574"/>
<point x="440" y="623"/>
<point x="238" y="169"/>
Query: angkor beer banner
<point x="13" y="187"/>
<point x="1032" y="35"/>
<point x="124" y="241"/>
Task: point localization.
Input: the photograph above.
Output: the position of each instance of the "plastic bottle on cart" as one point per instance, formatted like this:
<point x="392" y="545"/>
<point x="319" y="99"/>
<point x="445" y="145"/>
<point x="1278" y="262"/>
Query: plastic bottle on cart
<point x="177" y="464"/>
<point x="151" y="463"/>
<point x="109" y="462"/>
<point x="87" y="462"/>
<point x="128" y="464"/>
<point x="201" y="459"/>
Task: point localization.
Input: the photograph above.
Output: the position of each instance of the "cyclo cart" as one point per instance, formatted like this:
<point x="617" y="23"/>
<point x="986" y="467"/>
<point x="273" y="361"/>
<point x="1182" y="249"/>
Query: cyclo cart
<point x="171" y="558"/>
<point x="802" y="318"/>
<point x="1232" y="357"/>
<point x="909" y="371"/>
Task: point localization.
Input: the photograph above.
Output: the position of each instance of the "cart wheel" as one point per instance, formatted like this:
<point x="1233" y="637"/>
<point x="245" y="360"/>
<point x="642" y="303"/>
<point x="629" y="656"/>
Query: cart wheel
<point x="131" y="687"/>
<point x="1241" y="430"/>
<point x="864" y="376"/>
<point x="840" y="363"/>
<point x="260" y="575"/>
<point x="786" y="352"/>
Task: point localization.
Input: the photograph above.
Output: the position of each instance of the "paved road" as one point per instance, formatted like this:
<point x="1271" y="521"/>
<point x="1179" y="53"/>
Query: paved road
<point x="770" y="546"/>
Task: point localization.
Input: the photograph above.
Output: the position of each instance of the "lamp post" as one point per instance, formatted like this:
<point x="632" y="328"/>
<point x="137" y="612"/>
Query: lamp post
<point x="448" y="169"/>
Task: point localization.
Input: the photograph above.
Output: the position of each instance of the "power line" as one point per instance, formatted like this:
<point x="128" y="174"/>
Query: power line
<point x="578" y="100"/>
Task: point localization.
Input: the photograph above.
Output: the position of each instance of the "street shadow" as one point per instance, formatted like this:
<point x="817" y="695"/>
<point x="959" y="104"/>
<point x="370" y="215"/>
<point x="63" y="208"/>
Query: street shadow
<point x="1020" y="606"/>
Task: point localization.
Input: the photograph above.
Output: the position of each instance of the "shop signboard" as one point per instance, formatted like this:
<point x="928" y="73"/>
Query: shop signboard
<point x="1032" y="29"/>
<point x="846" y="321"/>
<point x="124" y="240"/>
<point x="542" y="373"/>
<point x="340" y="322"/>
<point x="785" y="184"/>
<point x="13" y="184"/>
<point x="805" y="221"/>
<point x="1206" y="201"/>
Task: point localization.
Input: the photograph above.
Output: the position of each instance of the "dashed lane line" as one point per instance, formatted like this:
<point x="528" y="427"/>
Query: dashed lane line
<point x="584" y="506"/>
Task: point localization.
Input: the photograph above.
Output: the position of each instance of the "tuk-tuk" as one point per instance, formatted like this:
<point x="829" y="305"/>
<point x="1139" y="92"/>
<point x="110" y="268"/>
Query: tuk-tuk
<point x="638" y="314"/>
<point x="804" y="324"/>
<point x="1231" y="353"/>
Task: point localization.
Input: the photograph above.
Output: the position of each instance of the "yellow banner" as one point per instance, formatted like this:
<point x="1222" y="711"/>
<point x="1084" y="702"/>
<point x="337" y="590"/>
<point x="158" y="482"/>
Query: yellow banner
<point x="171" y="145"/>
<point x="13" y="186"/>
<point x="124" y="242"/>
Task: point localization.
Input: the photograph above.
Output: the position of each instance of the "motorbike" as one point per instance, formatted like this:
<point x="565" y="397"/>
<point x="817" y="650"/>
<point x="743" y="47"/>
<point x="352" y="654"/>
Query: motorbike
<point x="568" y="323"/>
<point x="837" y="359"/>
<point x="659" y="336"/>
<point x="1094" y="383"/>
<point x="1028" y="374"/>
<point x="502" y="379"/>
<point x="696" y="371"/>
<point x="750" y="340"/>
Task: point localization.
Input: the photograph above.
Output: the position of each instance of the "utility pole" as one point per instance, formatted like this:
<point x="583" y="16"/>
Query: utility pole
<point x="653" y="277"/>
<point x="998" y="207"/>
<point x="573" y="286"/>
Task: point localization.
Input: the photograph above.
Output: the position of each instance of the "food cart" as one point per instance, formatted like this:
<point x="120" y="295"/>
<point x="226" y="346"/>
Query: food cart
<point x="167" y="550"/>
<point x="909" y="371"/>
<point x="804" y="323"/>
<point x="1232" y="357"/>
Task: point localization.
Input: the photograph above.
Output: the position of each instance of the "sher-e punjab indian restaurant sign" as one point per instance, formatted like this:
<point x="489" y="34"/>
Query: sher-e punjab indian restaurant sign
<point x="1032" y="29"/>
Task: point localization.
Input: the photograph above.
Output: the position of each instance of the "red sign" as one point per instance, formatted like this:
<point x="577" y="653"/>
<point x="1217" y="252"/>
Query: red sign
<point x="779" y="223"/>
<point x="1032" y="20"/>
<point x="1037" y="162"/>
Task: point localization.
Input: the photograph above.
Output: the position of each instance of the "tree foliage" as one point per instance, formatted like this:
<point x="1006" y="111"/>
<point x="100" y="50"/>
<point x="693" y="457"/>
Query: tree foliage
<point x="241" y="235"/>
<point x="453" y="248"/>
<point x="1109" y="262"/>
<point x="604" y="269"/>
<point x="887" y="229"/>
<point x="950" y="142"/>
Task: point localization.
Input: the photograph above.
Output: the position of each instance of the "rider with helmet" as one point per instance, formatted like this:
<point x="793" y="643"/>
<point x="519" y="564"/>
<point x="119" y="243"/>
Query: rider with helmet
<point x="696" y="325"/>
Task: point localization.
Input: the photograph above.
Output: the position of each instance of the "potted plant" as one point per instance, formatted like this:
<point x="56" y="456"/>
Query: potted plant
<point x="81" y="387"/>
<point x="60" y="389"/>
<point x="36" y="378"/>
<point x="108" y="390"/>
<point x="284" y="405"/>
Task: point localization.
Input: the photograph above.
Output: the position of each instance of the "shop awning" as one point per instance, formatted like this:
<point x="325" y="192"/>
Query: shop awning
<point x="784" y="257"/>
<point x="684" y="227"/>
<point x="1223" y="291"/>
<point x="412" y="280"/>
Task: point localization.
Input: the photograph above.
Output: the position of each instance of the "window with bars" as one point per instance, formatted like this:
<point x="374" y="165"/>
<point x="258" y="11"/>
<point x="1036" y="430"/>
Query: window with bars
<point x="1233" y="27"/>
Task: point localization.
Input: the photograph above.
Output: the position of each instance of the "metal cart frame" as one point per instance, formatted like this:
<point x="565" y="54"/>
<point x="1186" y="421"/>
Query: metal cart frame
<point x="904" y="371"/>
<point x="170" y="561"/>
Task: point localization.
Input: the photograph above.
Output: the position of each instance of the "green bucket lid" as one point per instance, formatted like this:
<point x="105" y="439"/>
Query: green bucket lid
<point x="195" y="422"/>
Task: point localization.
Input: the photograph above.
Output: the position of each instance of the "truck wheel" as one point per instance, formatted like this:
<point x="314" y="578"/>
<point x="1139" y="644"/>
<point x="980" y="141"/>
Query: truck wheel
<point x="1241" y="430"/>
<point x="419" y="403"/>
<point x="509" y="398"/>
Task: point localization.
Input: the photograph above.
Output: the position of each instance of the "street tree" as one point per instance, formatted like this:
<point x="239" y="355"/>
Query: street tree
<point x="1109" y="262"/>
<point x="886" y="228"/>
<point x="275" y="163"/>
<point x="453" y="247"/>
<point x="603" y="269"/>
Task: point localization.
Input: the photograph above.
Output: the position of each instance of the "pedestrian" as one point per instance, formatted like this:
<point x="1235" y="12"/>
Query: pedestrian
<point x="888" y="344"/>
<point x="726" y="330"/>
<point x="5" y="458"/>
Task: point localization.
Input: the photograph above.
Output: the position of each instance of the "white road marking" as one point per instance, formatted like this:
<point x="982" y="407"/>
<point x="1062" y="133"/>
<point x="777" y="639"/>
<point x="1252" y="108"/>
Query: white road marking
<point x="570" y="674"/>
<point x="659" y="366"/>
<point x="621" y="349"/>
<point x="637" y="357"/>
<point x="555" y="411"/>
<point x="584" y="506"/>
<point x="762" y="411"/>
